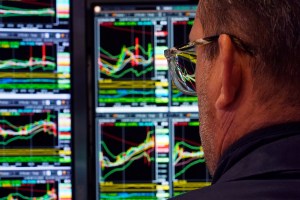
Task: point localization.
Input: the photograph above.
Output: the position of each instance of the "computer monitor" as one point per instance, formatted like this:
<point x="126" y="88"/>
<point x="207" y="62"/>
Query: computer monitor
<point x="147" y="131"/>
<point x="35" y="94"/>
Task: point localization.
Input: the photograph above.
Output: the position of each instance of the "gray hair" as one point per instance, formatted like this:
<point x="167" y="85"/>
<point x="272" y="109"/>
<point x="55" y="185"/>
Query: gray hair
<point x="272" y="29"/>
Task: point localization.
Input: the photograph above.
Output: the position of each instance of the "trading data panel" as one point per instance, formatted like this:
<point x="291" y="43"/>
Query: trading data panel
<point x="34" y="62"/>
<point x="133" y="156"/>
<point x="46" y="14"/>
<point x="131" y="72"/>
<point x="188" y="164"/>
<point x="35" y="100"/>
<point x="147" y="131"/>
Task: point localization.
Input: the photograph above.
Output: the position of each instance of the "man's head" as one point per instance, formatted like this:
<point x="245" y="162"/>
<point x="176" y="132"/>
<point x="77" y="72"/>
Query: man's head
<point x="239" y="89"/>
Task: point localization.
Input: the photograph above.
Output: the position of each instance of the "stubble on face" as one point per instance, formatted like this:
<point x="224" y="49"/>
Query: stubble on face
<point x="207" y="119"/>
<point x="206" y="116"/>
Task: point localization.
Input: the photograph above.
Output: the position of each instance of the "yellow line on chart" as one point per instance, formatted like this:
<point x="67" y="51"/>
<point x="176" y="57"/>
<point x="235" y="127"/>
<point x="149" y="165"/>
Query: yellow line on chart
<point x="127" y="84"/>
<point x="32" y="75"/>
<point x="128" y="187"/>
<point x="19" y="152"/>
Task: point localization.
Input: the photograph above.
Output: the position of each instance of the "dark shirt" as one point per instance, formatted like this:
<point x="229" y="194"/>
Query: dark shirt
<point x="265" y="164"/>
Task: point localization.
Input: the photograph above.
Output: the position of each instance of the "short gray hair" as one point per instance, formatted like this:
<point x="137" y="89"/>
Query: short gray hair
<point x="272" y="29"/>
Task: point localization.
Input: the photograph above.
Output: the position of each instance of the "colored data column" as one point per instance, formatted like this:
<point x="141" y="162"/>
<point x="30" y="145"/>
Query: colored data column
<point x="127" y="159"/>
<point x="127" y="73"/>
<point x="30" y="65"/>
<point x="133" y="163"/>
<point x="32" y="137"/>
<point x="189" y="170"/>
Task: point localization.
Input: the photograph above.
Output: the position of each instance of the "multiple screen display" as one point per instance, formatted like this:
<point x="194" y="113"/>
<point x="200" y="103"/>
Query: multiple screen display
<point x="147" y="139"/>
<point x="35" y="116"/>
<point x="148" y="144"/>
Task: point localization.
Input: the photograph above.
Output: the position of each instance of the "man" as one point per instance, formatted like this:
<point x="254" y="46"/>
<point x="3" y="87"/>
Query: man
<point x="247" y="79"/>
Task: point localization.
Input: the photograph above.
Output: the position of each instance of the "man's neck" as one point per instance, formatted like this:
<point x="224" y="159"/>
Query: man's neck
<point x="235" y="125"/>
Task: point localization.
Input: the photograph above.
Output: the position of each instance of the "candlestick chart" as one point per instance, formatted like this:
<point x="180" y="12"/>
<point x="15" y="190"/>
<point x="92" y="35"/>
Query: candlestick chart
<point x="28" y="11"/>
<point x="27" y="66"/>
<point x="126" y="68"/>
<point x="28" y="189"/>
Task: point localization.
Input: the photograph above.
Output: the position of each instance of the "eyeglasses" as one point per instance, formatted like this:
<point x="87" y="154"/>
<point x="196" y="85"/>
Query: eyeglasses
<point x="182" y="62"/>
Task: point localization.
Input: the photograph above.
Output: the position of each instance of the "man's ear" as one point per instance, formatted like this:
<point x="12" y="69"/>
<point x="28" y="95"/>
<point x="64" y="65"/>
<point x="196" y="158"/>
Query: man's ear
<point x="231" y="73"/>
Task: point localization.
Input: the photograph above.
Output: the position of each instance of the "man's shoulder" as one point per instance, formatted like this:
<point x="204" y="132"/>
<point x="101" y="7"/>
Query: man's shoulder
<point x="247" y="189"/>
<point x="265" y="165"/>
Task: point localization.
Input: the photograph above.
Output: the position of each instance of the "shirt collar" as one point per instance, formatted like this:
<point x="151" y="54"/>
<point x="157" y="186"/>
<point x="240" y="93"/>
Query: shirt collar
<point x="252" y="141"/>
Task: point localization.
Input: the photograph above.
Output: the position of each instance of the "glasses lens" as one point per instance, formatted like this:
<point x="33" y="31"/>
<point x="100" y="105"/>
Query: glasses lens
<point x="184" y="70"/>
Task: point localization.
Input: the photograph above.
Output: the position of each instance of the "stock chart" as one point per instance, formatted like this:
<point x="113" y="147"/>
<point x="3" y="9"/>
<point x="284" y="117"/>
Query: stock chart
<point x="129" y="69"/>
<point x="127" y="72"/>
<point x="29" y="129"/>
<point x="133" y="153"/>
<point x="34" y="13"/>
<point x="32" y="137"/>
<point x="39" y="65"/>
<point x="14" y="189"/>
<point x="19" y="11"/>
<point x="33" y="189"/>
<point x="35" y="107"/>
<point x="129" y="156"/>
<point x="147" y="130"/>
<point x="188" y="158"/>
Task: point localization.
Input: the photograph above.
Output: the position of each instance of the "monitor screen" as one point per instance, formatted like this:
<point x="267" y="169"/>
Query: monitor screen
<point x="35" y="94"/>
<point x="147" y="131"/>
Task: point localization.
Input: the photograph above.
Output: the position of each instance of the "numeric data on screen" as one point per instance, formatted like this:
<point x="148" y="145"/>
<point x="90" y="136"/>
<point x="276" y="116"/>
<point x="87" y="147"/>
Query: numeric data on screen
<point x="129" y="74"/>
<point x="35" y="100"/>
<point x="133" y="157"/>
<point x="147" y="131"/>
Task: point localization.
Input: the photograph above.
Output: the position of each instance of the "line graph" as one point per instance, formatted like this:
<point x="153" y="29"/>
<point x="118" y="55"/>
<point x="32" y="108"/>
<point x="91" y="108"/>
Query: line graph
<point x="27" y="190"/>
<point x="127" y="153"/>
<point x="28" y="11"/>
<point x="28" y="130"/>
<point x="31" y="65"/>
<point x="189" y="170"/>
<point x="32" y="62"/>
<point x="27" y="56"/>
<point x="128" y="57"/>
<point x="188" y="156"/>
<point x="116" y="66"/>
<point x="128" y="60"/>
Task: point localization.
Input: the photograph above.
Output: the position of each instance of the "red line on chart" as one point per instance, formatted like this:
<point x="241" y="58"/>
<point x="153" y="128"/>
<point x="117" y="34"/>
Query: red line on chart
<point x="129" y="30"/>
<point x="120" y="140"/>
<point x="188" y="141"/>
<point x="28" y="189"/>
<point x="186" y="162"/>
